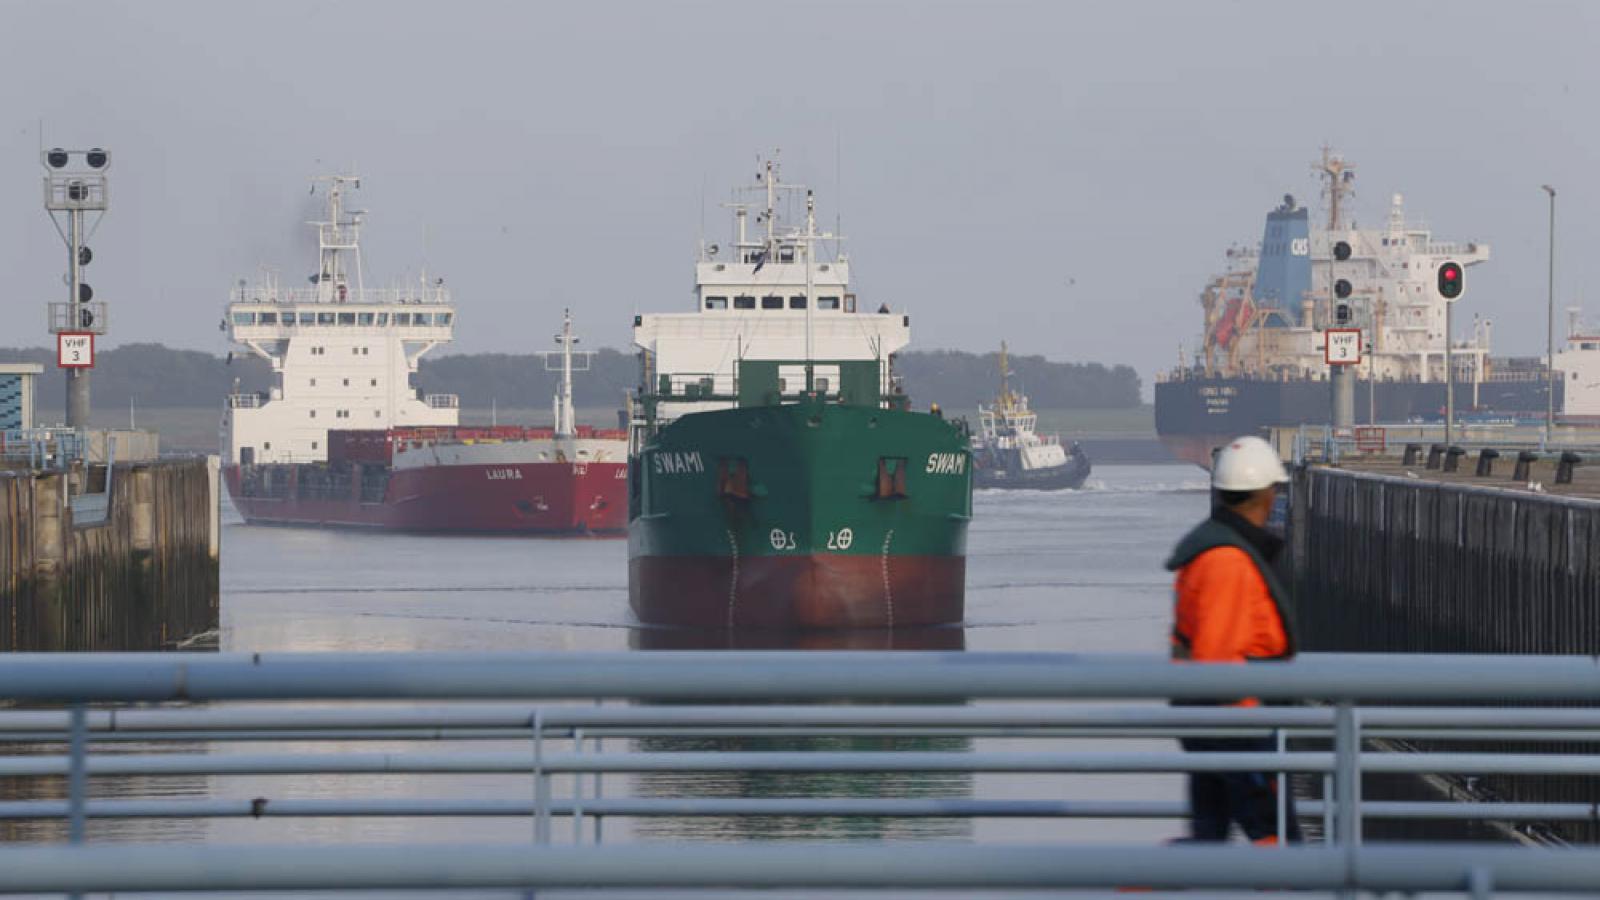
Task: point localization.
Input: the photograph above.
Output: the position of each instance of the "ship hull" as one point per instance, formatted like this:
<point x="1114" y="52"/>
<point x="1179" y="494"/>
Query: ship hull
<point x="798" y="592"/>
<point x="801" y="516"/>
<point x="525" y="498"/>
<point x="1196" y="415"/>
<point x="1070" y="475"/>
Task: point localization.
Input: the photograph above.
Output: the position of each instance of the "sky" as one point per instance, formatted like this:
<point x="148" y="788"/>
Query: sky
<point x="1062" y="176"/>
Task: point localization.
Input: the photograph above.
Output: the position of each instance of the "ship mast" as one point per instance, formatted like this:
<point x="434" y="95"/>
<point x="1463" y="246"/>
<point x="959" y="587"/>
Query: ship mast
<point x="564" y="415"/>
<point x="1337" y="176"/>
<point x="336" y="235"/>
<point x="1005" y="379"/>
<point x="811" y="300"/>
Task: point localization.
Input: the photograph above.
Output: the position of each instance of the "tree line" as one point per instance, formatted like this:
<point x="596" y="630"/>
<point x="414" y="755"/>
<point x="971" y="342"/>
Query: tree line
<point x="153" y="375"/>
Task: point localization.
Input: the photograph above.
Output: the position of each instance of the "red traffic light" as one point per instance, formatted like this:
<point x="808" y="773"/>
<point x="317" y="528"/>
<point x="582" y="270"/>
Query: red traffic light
<point x="1451" y="280"/>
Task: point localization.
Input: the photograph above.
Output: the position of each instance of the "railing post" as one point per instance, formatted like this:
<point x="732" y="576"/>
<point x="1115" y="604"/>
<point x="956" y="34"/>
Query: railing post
<point x="1283" y="789"/>
<point x="77" y="776"/>
<point x="577" y="790"/>
<point x="541" y="783"/>
<point x="599" y="784"/>
<point x="1347" y="768"/>
<point x="1480" y="884"/>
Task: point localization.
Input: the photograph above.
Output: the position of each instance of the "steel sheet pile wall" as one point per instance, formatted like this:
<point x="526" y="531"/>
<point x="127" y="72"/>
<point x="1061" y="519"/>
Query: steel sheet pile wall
<point x="1392" y="565"/>
<point x="145" y="579"/>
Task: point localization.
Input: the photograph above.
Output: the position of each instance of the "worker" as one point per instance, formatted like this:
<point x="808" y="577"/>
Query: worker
<point x="1231" y="607"/>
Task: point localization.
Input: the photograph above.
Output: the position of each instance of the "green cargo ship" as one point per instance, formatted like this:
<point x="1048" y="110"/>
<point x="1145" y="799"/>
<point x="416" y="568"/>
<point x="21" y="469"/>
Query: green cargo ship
<point x="771" y="488"/>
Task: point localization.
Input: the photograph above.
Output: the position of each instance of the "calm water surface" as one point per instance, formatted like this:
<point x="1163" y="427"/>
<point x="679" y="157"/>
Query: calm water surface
<point x="1067" y="571"/>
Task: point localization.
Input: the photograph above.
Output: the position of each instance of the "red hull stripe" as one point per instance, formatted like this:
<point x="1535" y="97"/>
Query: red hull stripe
<point x="818" y="591"/>
<point x="524" y="498"/>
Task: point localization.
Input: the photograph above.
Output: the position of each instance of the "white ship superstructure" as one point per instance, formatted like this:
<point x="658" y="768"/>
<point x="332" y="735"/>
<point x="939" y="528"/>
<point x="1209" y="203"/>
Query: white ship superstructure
<point x="766" y="298"/>
<point x="343" y="356"/>
<point x="1389" y="272"/>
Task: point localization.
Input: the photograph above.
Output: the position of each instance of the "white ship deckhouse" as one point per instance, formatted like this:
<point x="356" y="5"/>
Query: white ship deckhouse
<point x="343" y="356"/>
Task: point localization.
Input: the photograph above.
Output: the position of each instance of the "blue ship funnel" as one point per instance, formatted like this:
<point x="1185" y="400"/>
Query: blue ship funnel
<point x="1285" y="271"/>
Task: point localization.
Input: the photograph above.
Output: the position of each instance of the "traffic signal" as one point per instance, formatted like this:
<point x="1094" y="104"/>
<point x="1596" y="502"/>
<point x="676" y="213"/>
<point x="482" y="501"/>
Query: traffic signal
<point x="84" y="255"/>
<point x="1451" y="280"/>
<point x="85" y="293"/>
<point x="1341" y="313"/>
<point x="85" y="318"/>
<point x="1341" y="289"/>
<point x="1341" y="251"/>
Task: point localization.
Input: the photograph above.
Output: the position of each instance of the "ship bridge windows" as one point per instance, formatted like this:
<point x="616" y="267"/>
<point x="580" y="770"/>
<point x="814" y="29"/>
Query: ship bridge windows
<point x="772" y="301"/>
<point x="308" y="318"/>
<point x="744" y="301"/>
<point x="716" y="303"/>
<point x="786" y="254"/>
<point x="827" y="303"/>
<point x="797" y="302"/>
<point x="421" y="320"/>
<point x="244" y="318"/>
<point x="402" y="319"/>
<point x="324" y="318"/>
<point x="383" y="319"/>
<point x="267" y="318"/>
<point x="347" y="318"/>
<point x="366" y="318"/>
<point x="442" y="318"/>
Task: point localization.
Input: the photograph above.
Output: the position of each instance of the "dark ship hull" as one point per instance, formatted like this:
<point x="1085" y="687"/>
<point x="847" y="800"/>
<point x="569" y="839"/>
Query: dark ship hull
<point x="1003" y="469"/>
<point x="1197" y="414"/>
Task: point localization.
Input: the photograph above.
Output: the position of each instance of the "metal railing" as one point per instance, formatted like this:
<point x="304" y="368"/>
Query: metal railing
<point x="247" y="401"/>
<point x="42" y="448"/>
<point x="430" y="295"/>
<point x="544" y="740"/>
<point x="442" y="401"/>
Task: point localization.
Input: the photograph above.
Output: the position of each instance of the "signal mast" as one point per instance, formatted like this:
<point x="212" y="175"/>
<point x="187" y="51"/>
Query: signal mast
<point x="74" y="184"/>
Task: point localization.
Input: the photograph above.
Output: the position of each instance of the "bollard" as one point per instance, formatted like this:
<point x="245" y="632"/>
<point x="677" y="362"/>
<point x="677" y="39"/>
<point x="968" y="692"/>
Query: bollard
<point x="1524" y="468"/>
<point x="1413" y="453"/>
<point x="1569" y="461"/>
<point x="1452" y="458"/>
<point x="1435" y="451"/>
<point x="1486" y="458"/>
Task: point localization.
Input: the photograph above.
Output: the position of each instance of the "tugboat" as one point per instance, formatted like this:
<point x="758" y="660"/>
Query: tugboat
<point x="342" y="438"/>
<point x="1006" y="452"/>
<point x="779" y="478"/>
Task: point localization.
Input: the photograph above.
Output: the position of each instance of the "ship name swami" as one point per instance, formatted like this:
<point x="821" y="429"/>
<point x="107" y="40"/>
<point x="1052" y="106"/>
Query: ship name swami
<point x="671" y="462"/>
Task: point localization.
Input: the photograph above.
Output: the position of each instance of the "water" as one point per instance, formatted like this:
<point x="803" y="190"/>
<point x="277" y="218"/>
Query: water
<point x="1076" y="571"/>
<point x="1071" y="571"/>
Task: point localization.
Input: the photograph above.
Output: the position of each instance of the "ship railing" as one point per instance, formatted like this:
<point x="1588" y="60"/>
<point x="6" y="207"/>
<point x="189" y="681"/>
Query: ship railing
<point x="247" y="401"/>
<point x="1455" y="249"/>
<point x="442" y="401"/>
<point x="355" y="296"/>
<point x="589" y="738"/>
<point x="42" y="448"/>
<point x="683" y="386"/>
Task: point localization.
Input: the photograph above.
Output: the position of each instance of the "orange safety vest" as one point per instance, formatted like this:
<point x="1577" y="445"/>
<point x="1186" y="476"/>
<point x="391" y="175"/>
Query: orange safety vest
<point x="1229" y="605"/>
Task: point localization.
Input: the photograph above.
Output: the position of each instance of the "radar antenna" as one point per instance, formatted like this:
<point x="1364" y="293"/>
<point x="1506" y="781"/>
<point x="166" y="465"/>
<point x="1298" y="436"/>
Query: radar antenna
<point x="1338" y="178"/>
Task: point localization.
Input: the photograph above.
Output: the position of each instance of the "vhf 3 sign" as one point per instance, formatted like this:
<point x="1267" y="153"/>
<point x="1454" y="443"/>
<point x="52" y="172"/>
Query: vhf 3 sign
<point x="75" y="350"/>
<point x="1342" y="346"/>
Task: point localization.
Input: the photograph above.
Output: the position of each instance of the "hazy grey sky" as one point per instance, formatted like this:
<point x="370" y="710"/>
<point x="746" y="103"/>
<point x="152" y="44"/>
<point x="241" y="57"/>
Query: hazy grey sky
<point x="1065" y="176"/>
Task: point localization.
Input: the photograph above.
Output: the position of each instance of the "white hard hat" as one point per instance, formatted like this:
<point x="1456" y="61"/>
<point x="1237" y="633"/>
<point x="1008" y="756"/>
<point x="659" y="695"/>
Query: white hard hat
<point x="1247" y="464"/>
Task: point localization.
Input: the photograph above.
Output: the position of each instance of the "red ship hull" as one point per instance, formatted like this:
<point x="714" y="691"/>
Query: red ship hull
<point x="549" y="498"/>
<point x="809" y="591"/>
